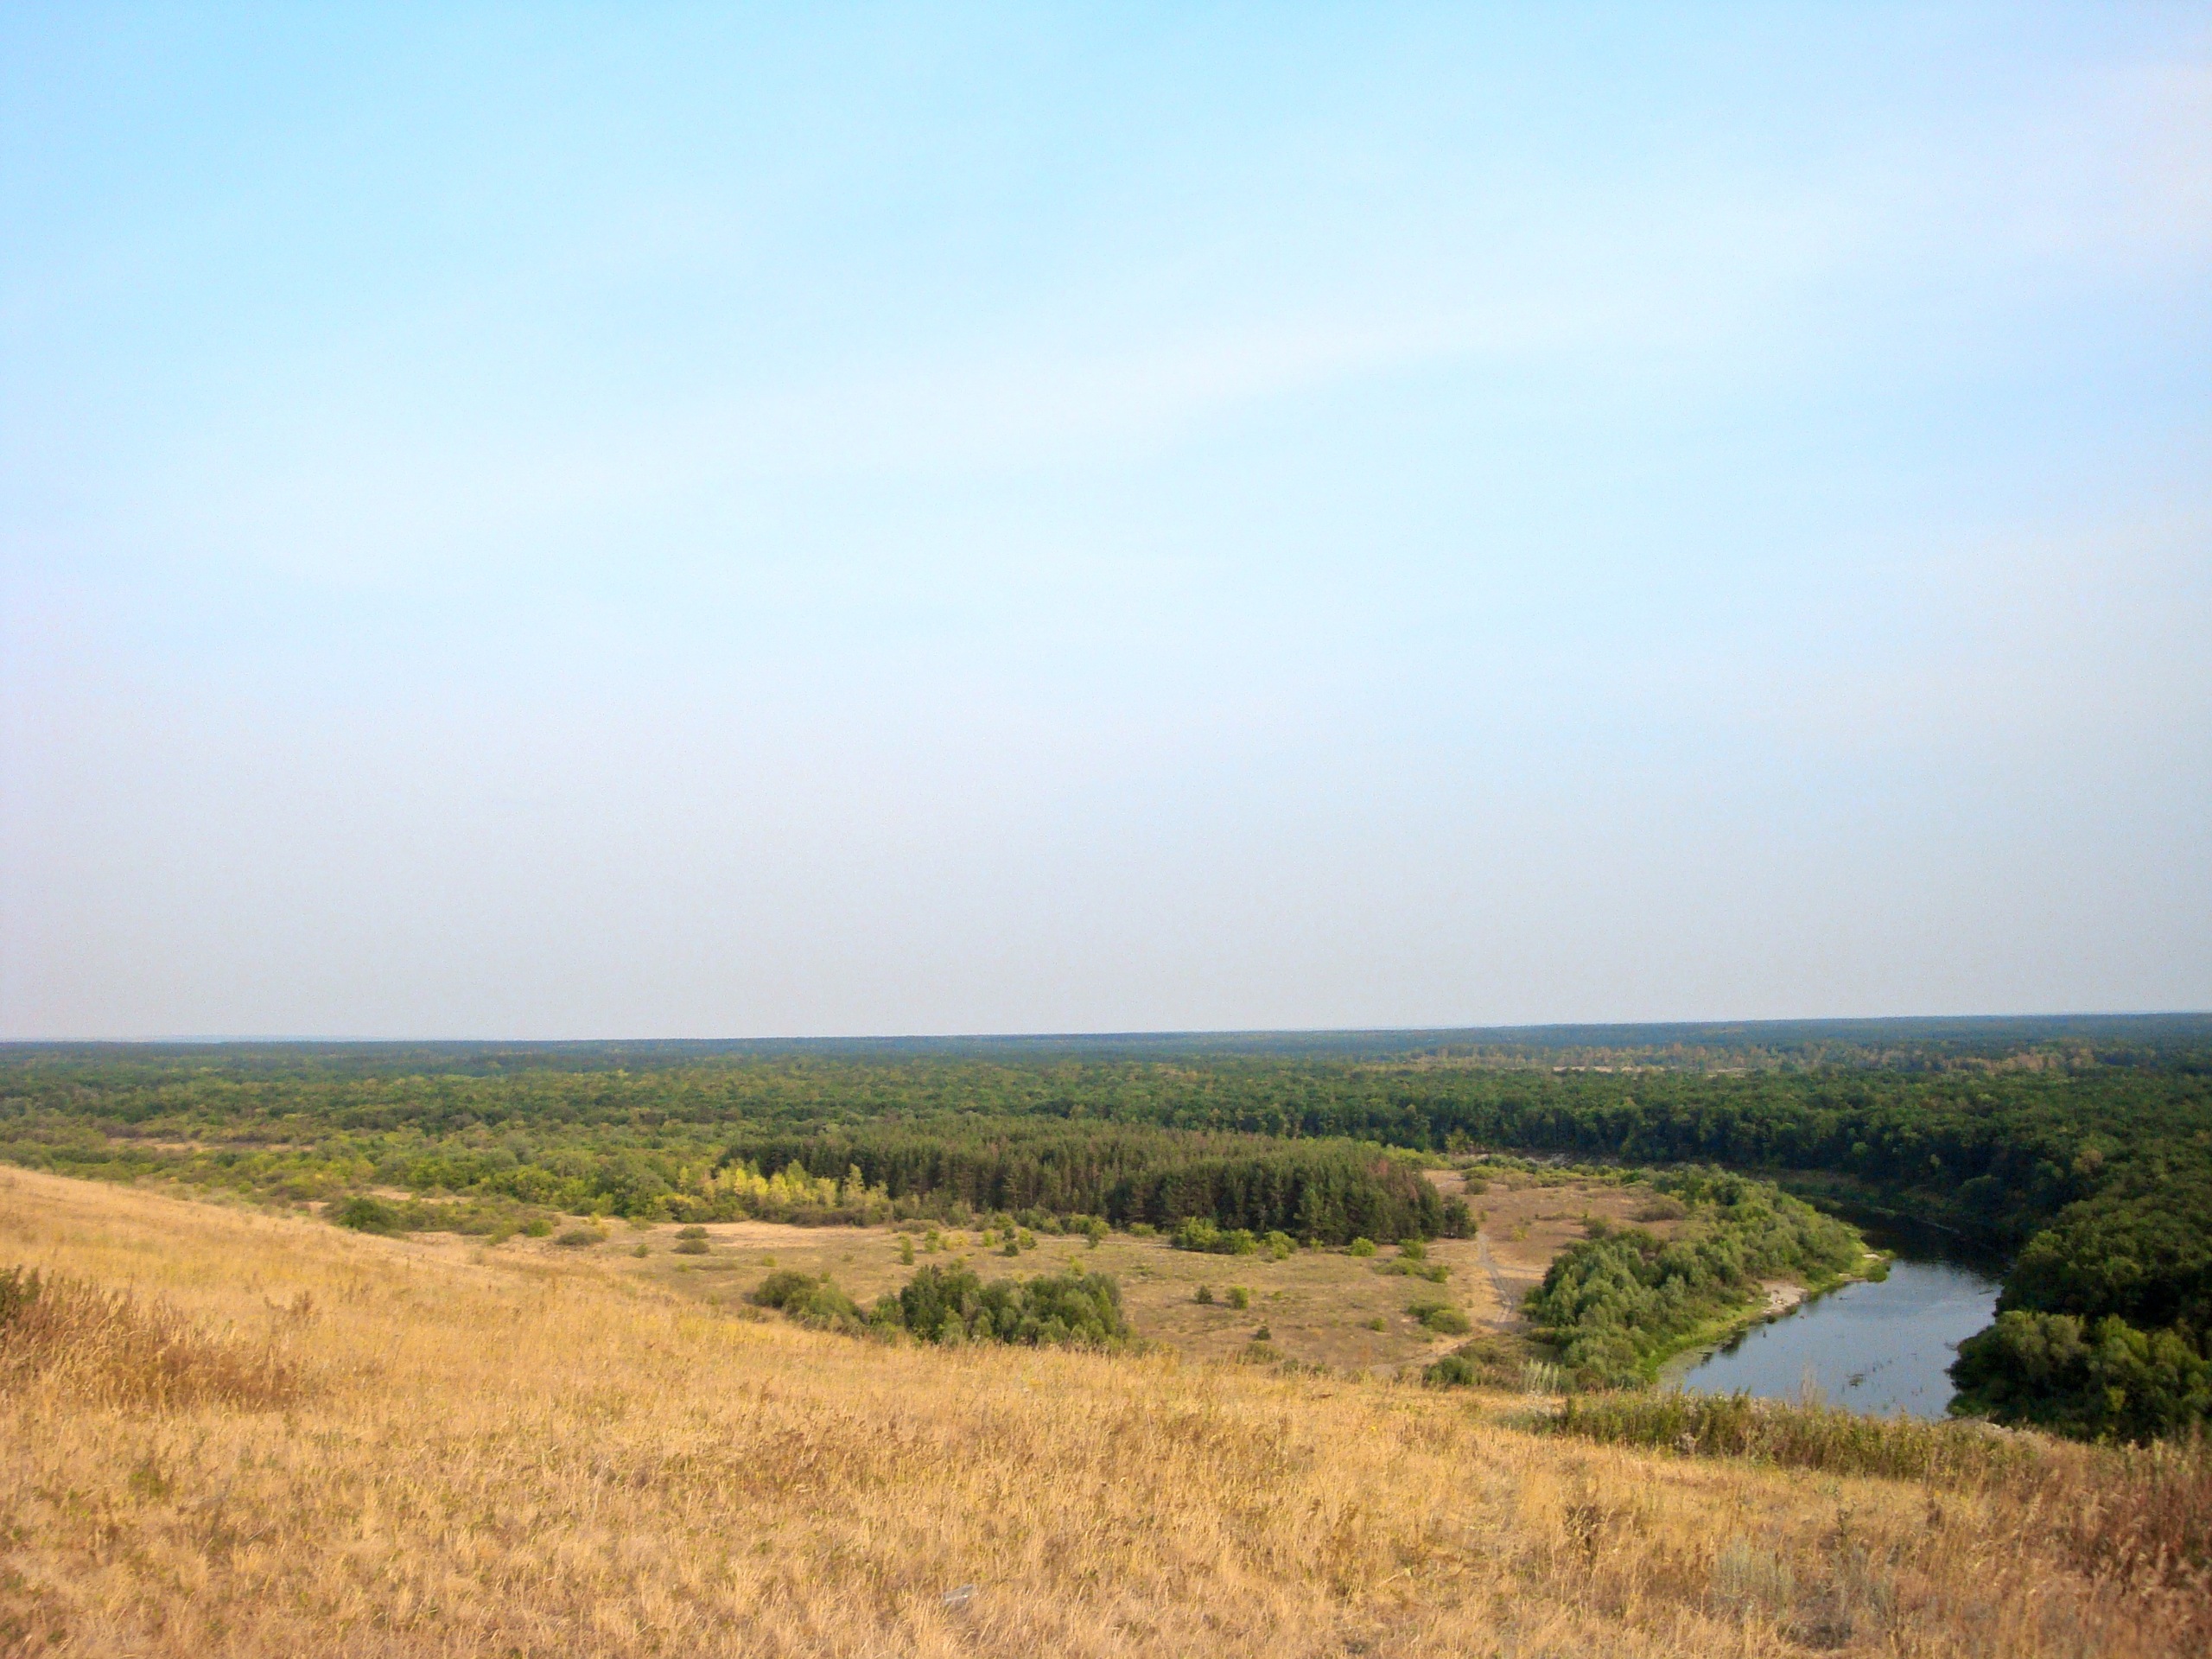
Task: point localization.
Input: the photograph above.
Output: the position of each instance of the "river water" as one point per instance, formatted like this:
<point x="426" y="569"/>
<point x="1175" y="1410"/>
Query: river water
<point x="1874" y="1347"/>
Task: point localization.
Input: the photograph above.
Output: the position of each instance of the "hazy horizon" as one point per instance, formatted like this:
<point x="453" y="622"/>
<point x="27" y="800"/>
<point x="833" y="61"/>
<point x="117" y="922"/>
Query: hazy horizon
<point x="988" y="520"/>
<point x="1586" y="1033"/>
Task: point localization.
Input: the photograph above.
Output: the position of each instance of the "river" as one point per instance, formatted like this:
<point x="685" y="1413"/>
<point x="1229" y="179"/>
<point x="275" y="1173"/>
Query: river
<point x="1880" y="1347"/>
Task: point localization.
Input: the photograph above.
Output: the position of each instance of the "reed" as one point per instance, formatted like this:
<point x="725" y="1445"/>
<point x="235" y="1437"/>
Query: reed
<point x="1807" y="1436"/>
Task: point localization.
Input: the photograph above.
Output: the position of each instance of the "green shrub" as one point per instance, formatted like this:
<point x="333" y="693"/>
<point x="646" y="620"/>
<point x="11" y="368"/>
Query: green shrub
<point x="1199" y="1234"/>
<point x="1204" y="1296"/>
<point x="538" y="1227"/>
<point x="364" y="1214"/>
<point x="1413" y="1250"/>
<point x="1363" y="1247"/>
<point x="1486" y="1361"/>
<point x="778" y="1289"/>
<point x="1239" y="1297"/>
<point x="577" y="1238"/>
<point x="951" y="1304"/>
<point x="811" y="1301"/>
<point x="1441" y="1316"/>
<point x="1435" y="1272"/>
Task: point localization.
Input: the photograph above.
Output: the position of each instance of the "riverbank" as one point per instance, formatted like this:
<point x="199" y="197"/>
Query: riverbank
<point x="1619" y="1304"/>
<point x="1779" y="1299"/>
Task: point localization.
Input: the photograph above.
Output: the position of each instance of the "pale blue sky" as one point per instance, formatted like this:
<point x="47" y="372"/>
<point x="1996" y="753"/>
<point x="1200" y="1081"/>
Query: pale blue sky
<point x="623" y="521"/>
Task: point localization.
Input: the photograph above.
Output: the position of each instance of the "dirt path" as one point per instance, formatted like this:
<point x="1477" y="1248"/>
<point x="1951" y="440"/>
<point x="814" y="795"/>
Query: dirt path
<point x="1508" y="1300"/>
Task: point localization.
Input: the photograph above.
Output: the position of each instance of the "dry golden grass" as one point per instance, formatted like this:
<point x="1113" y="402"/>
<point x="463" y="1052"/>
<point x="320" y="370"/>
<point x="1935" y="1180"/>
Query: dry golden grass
<point x="99" y="1347"/>
<point x="527" y="1454"/>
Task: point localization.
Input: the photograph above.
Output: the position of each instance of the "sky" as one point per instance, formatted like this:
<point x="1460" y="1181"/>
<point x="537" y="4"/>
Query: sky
<point x="660" y="521"/>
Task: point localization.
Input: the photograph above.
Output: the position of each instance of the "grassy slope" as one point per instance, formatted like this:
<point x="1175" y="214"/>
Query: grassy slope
<point x="517" y="1455"/>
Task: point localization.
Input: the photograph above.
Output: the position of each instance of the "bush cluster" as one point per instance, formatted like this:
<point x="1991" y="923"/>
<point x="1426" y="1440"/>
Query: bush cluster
<point x="1489" y="1361"/>
<point x="1412" y="1261"/>
<point x="1443" y="1317"/>
<point x="953" y="1304"/>
<point x="1199" y="1234"/>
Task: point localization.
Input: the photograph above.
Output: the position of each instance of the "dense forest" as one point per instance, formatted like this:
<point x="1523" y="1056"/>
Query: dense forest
<point x="2082" y="1148"/>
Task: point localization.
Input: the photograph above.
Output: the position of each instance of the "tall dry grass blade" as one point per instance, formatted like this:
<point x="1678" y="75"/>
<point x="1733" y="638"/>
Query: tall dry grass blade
<point x="108" y="1348"/>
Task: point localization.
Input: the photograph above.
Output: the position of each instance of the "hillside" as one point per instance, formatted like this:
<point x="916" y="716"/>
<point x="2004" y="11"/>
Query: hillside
<point x="448" y="1450"/>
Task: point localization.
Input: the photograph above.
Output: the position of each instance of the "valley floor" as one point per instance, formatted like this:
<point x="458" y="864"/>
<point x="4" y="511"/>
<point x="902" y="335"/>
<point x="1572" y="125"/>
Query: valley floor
<point x="530" y="1452"/>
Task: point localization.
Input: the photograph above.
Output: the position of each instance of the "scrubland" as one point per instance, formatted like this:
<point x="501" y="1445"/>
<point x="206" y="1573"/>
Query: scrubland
<point x="293" y="1440"/>
<point x="1319" y="1307"/>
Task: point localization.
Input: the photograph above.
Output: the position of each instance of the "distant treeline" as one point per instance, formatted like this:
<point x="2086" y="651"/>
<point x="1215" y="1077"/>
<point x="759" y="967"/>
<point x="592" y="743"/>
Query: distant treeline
<point x="1329" y="1191"/>
<point x="1998" y="1145"/>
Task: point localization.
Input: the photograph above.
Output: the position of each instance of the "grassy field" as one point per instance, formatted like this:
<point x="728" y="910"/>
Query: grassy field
<point x="1319" y="1307"/>
<point x="363" y="1446"/>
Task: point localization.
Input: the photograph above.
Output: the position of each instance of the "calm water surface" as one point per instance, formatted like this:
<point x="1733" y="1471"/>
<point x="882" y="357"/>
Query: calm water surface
<point x="1880" y="1348"/>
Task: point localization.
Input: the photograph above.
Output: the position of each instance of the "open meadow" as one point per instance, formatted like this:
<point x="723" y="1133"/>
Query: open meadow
<point x="1317" y="1307"/>
<point x="356" y="1444"/>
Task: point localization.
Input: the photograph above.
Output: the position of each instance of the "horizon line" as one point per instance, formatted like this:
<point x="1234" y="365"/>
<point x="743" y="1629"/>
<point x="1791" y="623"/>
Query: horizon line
<point x="276" y="1040"/>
